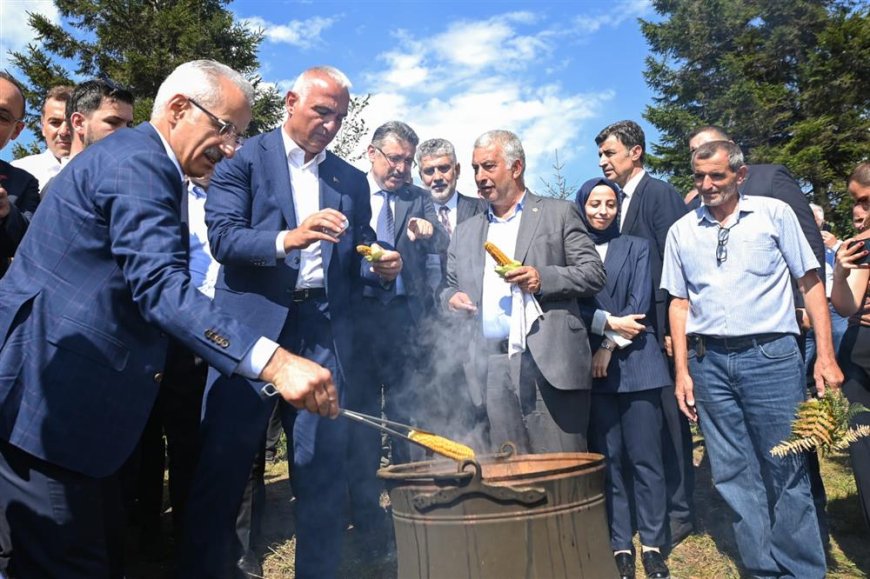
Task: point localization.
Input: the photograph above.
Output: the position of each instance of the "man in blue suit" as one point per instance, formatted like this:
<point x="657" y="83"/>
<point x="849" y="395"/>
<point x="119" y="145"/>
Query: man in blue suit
<point x="86" y="310"/>
<point x="284" y="217"/>
<point x="649" y="208"/>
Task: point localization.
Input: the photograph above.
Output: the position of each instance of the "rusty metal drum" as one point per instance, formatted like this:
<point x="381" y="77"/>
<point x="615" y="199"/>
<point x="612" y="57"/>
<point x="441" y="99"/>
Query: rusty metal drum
<point x="502" y="516"/>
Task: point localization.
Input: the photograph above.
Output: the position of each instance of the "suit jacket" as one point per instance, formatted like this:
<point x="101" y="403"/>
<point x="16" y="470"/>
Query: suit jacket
<point x="775" y="181"/>
<point x="552" y="238"/>
<point x="466" y="208"/>
<point x="22" y="189"/>
<point x="250" y="201"/>
<point x="640" y="365"/>
<point x="84" y="307"/>
<point x="413" y="201"/>
<point x="654" y="207"/>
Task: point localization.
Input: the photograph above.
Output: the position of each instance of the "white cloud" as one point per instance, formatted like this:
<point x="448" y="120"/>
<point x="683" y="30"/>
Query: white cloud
<point x="14" y="32"/>
<point x="300" y="33"/>
<point x="482" y="75"/>
<point x="616" y="15"/>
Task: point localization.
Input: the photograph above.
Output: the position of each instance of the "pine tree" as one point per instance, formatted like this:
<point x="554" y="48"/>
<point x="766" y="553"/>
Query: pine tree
<point x="137" y="43"/>
<point x="790" y="81"/>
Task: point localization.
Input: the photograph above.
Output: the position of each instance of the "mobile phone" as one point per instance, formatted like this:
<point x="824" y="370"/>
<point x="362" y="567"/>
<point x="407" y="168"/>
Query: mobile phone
<point x="866" y="258"/>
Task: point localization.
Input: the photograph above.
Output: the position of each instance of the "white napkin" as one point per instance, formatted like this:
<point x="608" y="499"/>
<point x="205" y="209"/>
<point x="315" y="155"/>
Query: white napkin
<point x="525" y="309"/>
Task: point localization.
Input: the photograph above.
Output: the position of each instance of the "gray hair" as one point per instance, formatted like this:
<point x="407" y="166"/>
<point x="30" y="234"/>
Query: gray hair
<point x="303" y="82"/>
<point x="708" y="150"/>
<point x="397" y="130"/>
<point x="436" y="148"/>
<point x="511" y="146"/>
<point x="199" y="80"/>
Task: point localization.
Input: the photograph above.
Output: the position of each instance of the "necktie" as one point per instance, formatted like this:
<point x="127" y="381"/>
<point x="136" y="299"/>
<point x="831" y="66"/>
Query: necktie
<point x="444" y="213"/>
<point x="386" y="224"/>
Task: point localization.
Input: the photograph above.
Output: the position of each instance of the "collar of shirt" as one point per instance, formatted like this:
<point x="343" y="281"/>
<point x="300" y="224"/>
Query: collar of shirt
<point x="451" y="204"/>
<point x="631" y="184"/>
<point x="517" y="211"/>
<point x="196" y="190"/>
<point x="374" y="188"/>
<point x="744" y="205"/>
<point x="296" y="154"/>
<point x="171" y="154"/>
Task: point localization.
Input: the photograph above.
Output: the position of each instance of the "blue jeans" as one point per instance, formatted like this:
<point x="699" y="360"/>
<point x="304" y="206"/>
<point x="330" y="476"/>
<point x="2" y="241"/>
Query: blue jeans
<point x="746" y="400"/>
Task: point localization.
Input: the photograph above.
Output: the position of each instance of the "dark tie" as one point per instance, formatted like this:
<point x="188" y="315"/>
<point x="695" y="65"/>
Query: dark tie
<point x="444" y="213"/>
<point x="386" y="224"/>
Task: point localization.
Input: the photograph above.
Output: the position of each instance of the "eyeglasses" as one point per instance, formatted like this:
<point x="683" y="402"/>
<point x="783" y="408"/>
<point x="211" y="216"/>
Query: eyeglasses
<point x="7" y="118"/>
<point x="396" y="160"/>
<point x="226" y="130"/>
<point x="722" y="248"/>
<point x="443" y="169"/>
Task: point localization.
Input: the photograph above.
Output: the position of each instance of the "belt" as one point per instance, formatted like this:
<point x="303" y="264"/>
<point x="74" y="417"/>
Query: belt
<point x="308" y="293"/>
<point x="701" y="343"/>
<point x="496" y="346"/>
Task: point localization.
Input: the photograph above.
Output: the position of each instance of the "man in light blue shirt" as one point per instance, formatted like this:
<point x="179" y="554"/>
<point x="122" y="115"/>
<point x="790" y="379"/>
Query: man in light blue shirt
<point x="739" y="371"/>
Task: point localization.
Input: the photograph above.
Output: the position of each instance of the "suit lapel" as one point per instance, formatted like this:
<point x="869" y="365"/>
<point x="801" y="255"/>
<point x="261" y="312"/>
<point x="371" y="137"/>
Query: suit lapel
<point x="634" y="205"/>
<point x="532" y="210"/>
<point x="329" y="199"/>
<point x="478" y="258"/>
<point x="463" y="209"/>
<point x="400" y="213"/>
<point x="277" y="170"/>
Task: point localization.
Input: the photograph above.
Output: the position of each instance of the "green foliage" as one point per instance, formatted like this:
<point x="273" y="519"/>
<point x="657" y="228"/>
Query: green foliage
<point x="353" y="129"/>
<point x="137" y="43"/>
<point x="790" y="81"/>
<point x="559" y="187"/>
<point x="823" y="423"/>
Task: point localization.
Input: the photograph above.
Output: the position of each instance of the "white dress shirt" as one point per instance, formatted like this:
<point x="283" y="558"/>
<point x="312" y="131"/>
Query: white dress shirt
<point x="377" y="202"/>
<point x="44" y="166"/>
<point x="496" y="302"/>
<point x="203" y="267"/>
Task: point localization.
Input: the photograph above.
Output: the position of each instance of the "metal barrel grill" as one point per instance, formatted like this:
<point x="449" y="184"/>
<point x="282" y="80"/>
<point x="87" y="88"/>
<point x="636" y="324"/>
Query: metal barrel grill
<point x="501" y="516"/>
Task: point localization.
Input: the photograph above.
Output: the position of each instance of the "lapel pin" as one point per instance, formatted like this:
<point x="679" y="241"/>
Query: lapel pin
<point x="534" y="209"/>
<point x="334" y="179"/>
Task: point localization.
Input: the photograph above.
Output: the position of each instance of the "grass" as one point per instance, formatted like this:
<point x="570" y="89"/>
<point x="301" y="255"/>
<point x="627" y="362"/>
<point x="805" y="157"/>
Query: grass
<point x="710" y="553"/>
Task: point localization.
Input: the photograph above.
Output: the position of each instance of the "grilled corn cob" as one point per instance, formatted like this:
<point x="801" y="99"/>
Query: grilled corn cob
<point x="441" y="445"/>
<point x="503" y="263"/>
<point x="370" y="254"/>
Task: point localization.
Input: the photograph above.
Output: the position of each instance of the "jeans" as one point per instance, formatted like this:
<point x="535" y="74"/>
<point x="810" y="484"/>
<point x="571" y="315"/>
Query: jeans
<point x="746" y="400"/>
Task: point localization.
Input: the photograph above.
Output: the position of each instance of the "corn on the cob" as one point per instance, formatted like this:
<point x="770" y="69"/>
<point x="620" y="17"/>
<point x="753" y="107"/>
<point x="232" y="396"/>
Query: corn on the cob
<point x="370" y="254"/>
<point x="497" y="254"/>
<point x="441" y="445"/>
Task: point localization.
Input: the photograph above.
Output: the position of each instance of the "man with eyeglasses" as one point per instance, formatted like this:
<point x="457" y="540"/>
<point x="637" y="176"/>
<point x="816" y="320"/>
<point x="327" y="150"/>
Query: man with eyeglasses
<point x="284" y="219"/>
<point x="19" y="190"/>
<point x="389" y="318"/>
<point x="57" y="135"/>
<point x="87" y="308"/>
<point x="728" y="268"/>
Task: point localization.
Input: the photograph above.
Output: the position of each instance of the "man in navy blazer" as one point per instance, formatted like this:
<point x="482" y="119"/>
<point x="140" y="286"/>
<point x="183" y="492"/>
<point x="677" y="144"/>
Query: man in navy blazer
<point x="86" y="310"/>
<point x="19" y="190"/>
<point x="284" y="219"/>
<point x="649" y="209"/>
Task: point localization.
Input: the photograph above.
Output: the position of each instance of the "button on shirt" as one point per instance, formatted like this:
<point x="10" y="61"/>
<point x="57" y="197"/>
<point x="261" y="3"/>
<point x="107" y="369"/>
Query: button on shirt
<point x="496" y="300"/>
<point x="305" y="184"/>
<point x="750" y="291"/>
<point x="377" y="200"/>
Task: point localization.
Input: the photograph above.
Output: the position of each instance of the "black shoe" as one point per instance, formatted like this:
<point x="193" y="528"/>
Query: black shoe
<point x="625" y="565"/>
<point x="654" y="565"/>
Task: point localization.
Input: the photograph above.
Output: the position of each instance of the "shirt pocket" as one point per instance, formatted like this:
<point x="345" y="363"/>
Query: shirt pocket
<point x="760" y="257"/>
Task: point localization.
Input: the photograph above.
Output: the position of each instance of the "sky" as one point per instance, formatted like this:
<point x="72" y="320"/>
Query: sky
<point x="555" y="72"/>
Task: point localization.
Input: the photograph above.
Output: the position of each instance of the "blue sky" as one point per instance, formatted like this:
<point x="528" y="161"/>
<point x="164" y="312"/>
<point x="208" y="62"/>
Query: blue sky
<point x="553" y="71"/>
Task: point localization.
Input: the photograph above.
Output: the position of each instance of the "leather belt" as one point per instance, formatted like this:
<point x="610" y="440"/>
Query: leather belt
<point x="308" y="293"/>
<point x="733" y="343"/>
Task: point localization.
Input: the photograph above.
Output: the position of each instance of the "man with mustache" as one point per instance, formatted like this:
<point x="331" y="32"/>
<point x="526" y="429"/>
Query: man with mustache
<point x="87" y="309"/>
<point x="57" y="135"/>
<point x="389" y="318"/>
<point x="532" y="373"/>
<point x="284" y="218"/>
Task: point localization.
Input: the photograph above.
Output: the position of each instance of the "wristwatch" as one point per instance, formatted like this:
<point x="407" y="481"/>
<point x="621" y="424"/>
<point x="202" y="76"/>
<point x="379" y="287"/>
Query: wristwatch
<point x="608" y="345"/>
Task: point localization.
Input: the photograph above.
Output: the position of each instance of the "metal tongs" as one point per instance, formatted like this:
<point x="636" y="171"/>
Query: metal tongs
<point x="385" y="425"/>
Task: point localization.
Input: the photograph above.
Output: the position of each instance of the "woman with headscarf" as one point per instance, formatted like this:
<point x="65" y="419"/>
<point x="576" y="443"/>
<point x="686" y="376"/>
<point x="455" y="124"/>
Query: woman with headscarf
<point x="628" y="371"/>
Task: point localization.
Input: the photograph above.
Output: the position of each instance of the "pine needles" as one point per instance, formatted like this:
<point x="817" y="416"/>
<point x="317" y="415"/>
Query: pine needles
<point x="823" y="423"/>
